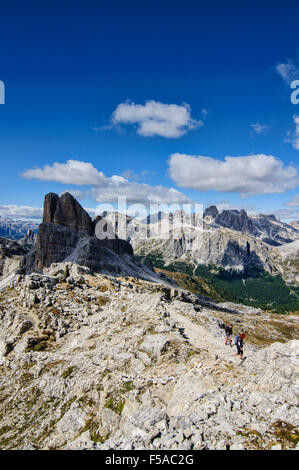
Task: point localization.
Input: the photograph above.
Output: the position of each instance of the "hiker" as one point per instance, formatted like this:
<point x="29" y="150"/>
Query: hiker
<point x="228" y="331"/>
<point x="239" y="342"/>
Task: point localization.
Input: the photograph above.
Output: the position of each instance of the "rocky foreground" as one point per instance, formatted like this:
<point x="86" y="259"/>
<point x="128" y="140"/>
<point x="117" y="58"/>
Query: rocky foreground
<point x="90" y="361"/>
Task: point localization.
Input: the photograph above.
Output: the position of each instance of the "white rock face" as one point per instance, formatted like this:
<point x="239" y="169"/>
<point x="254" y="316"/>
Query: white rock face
<point x="73" y="420"/>
<point x="230" y="239"/>
<point x="155" y="344"/>
<point x="120" y="363"/>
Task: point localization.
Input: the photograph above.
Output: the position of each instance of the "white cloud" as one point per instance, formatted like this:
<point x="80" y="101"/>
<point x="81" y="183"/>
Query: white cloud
<point x="31" y="213"/>
<point x="294" y="202"/>
<point x="105" y="189"/>
<point x="21" y="212"/>
<point x="253" y="174"/>
<point x="130" y="175"/>
<point x="157" y="119"/>
<point x="291" y="210"/>
<point x="137" y="193"/>
<point x="295" y="138"/>
<point x="226" y="205"/>
<point x="288" y="71"/>
<point x="260" y="128"/>
<point x="286" y="214"/>
<point x="76" y="193"/>
<point x="71" y="172"/>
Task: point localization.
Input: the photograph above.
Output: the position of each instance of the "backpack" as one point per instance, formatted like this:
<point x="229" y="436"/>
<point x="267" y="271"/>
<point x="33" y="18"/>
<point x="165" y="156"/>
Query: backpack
<point x="236" y="340"/>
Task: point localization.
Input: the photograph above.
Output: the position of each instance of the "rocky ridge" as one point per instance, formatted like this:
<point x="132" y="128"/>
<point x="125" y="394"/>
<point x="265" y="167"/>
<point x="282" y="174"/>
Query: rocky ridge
<point x="266" y="228"/>
<point x="89" y="361"/>
<point x="230" y="239"/>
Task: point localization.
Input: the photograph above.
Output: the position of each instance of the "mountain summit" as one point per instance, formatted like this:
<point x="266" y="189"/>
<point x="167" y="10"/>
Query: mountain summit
<point x="67" y="234"/>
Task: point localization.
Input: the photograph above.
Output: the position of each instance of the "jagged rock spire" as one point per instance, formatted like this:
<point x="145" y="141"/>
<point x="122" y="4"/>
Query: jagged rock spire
<point x="66" y="211"/>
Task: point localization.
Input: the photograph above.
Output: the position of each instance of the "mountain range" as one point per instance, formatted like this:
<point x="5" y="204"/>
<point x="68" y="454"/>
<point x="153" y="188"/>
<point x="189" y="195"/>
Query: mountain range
<point x="229" y="239"/>
<point x="237" y="254"/>
<point x="248" y="259"/>
<point x="16" y="229"/>
<point x="100" y="351"/>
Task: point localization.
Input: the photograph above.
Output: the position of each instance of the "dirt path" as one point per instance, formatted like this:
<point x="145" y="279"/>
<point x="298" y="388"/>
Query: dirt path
<point x="203" y="339"/>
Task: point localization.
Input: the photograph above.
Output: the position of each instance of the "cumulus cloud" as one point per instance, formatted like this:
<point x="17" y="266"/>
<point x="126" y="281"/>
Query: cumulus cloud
<point x="253" y="174"/>
<point x="288" y="71"/>
<point x="105" y="189"/>
<point x="260" y="128"/>
<point x="71" y="172"/>
<point x="138" y="193"/>
<point x="21" y="212"/>
<point x="157" y="119"/>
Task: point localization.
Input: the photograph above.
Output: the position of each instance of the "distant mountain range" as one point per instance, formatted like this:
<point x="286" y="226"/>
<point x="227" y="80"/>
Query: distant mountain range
<point x="231" y="240"/>
<point x="16" y="229"/>
<point x="240" y="258"/>
<point x="266" y="228"/>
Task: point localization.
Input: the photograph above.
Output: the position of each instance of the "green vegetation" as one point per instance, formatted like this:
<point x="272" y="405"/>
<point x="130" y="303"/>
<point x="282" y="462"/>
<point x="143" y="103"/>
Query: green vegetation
<point x="40" y="346"/>
<point x="116" y="401"/>
<point x="115" y="404"/>
<point x="253" y="286"/>
<point x="66" y="406"/>
<point x="280" y="432"/>
<point x="4" y="430"/>
<point x="96" y="437"/>
<point x="286" y="434"/>
<point x="68" y="372"/>
<point x="128" y="386"/>
<point x="92" y="427"/>
<point x="102" y="300"/>
<point x="191" y="353"/>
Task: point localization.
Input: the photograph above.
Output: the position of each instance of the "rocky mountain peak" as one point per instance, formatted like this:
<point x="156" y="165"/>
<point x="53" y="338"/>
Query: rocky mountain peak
<point x="66" y="211"/>
<point x="211" y="211"/>
<point x="236" y="220"/>
<point x="67" y="234"/>
<point x="50" y="204"/>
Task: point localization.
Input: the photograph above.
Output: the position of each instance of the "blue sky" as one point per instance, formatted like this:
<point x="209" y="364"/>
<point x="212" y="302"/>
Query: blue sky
<point x="68" y="67"/>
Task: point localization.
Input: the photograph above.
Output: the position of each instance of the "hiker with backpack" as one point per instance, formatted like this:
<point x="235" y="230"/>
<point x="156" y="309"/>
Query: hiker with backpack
<point x="228" y="332"/>
<point x="239" y="342"/>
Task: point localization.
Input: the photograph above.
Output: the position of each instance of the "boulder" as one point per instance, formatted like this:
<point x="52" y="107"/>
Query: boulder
<point x="155" y="344"/>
